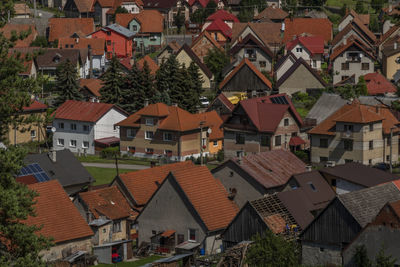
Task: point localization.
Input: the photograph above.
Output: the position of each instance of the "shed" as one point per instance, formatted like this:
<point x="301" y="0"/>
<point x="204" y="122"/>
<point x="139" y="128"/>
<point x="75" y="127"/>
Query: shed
<point x="104" y="252"/>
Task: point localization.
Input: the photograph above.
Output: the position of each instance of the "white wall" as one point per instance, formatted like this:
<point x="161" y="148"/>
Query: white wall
<point x="105" y="126"/>
<point x="131" y="7"/>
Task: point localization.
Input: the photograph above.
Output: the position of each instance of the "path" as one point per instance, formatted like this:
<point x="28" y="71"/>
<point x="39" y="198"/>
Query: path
<point x="112" y="166"/>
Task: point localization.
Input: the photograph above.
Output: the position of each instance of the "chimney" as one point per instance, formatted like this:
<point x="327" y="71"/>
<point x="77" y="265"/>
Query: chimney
<point x="132" y="61"/>
<point x="53" y="155"/>
<point x="283" y="27"/>
<point x="308" y="168"/>
<point x="395" y="45"/>
<point x="390" y="8"/>
<point x="90" y="55"/>
<point x="345" y="41"/>
<point x="146" y="102"/>
<point x="157" y="183"/>
<point x="175" y="104"/>
<point x="77" y="40"/>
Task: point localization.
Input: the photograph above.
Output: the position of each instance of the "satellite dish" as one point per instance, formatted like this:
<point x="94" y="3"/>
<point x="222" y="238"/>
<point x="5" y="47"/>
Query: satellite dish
<point x="209" y="131"/>
<point x="53" y="129"/>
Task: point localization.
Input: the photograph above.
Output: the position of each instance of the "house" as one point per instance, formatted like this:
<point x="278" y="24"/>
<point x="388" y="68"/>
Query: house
<point x="220" y="31"/>
<point x="148" y="26"/>
<point x="391" y="59"/>
<point x="294" y="27"/>
<point x="354" y="176"/>
<point x="8" y="29"/>
<point x="203" y="43"/>
<point x="324" y="240"/>
<point x="221" y="15"/>
<point x="22" y="11"/>
<point x="66" y="27"/>
<point x="246" y="78"/>
<point x="171" y="48"/>
<point x="169" y="9"/>
<point x="118" y="40"/>
<point x="390" y="35"/>
<point x="253" y="50"/>
<point x="377" y="84"/>
<point x="284" y="64"/>
<point x="271" y="13"/>
<point x="222" y="105"/>
<point x="185" y="56"/>
<point x="79" y="125"/>
<point x="64" y="167"/>
<point x="90" y="88"/>
<point x="132" y="6"/>
<point x="262" y="124"/>
<point x="300" y="77"/>
<point x="309" y="48"/>
<point x="195" y="210"/>
<point x="355" y="30"/>
<point x="351" y="15"/>
<point x="153" y="67"/>
<point x="200" y="4"/>
<point x="251" y="177"/>
<point x="58" y="218"/>
<point x="355" y="132"/>
<point x="79" y="8"/>
<point x="100" y="9"/>
<point x="31" y="131"/>
<point x="158" y="130"/>
<point x="351" y="58"/>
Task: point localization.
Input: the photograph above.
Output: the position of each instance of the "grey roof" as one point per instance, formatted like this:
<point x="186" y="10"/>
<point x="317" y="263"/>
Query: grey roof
<point x="41" y="24"/>
<point x="71" y="258"/>
<point x="375" y="100"/>
<point x="173" y="258"/>
<point x="52" y="57"/>
<point x="112" y="243"/>
<point x="67" y="169"/>
<point x="396" y="76"/>
<point x="325" y="106"/>
<point x="188" y="245"/>
<point x="365" y="204"/>
<point x="121" y="30"/>
<point x="99" y="222"/>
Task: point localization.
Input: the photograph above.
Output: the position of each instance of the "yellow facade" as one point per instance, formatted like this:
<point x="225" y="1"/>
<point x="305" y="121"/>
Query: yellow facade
<point x="29" y="132"/>
<point x="391" y="66"/>
<point x="215" y="146"/>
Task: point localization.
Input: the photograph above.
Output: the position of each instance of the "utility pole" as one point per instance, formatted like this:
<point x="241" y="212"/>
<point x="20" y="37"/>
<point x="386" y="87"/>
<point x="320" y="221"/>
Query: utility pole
<point x="34" y="9"/>
<point x="116" y="164"/>
<point x="391" y="145"/>
<point x="201" y="142"/>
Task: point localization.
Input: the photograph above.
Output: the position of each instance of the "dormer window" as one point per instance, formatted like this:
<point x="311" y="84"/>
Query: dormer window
<point x="348" y="128"/>
<point x="150" y="121"/>
<point x="299" y="50"/>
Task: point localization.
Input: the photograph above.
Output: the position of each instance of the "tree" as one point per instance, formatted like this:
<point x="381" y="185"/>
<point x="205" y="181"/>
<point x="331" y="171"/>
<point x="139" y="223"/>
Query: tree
<point x="133" y="92"/>
<point x="360" y="7"/>
<point x="383" y="260"/>
<point x="179" y="20"/>
<point x="148" y="83"/>
<point x="40" y="41"/>
<point x="113" y="82"/>
<point x="179" y="88"/>
<point x="377" y="5"/>
<point x="361" y="87"/>
<point x="216" y="59"/>
<point x="374" y="24"/>
<point x="67" y="83"/>
<point x="165" y="76"/>
<point x="198" y="16"/>
<point x="343" y="10"/>
<point x="361" y="257"/>
<point x="271" y="250"/>
<point x="119" y="10"/>
<point x="196" y="82"/>
<point x="247" y="7"/>
<point x="210" y="9"/>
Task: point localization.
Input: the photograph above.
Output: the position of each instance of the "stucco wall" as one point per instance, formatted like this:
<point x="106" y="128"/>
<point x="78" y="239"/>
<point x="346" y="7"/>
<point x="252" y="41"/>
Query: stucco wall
<point x="390" y="66"/>
<point x="79" y="135"/>
<point x="184" y="59"/>
<point x="105" y="126"/>
<point x="23" y="134"/>
<point x="64" y="249"/>
<point x="354" y="67"/>
<point x="260" y="56"/>
<point x="314" y="254"/>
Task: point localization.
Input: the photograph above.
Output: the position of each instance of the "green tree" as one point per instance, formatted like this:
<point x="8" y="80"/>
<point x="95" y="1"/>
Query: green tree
<point x="119" y="10"/>
<point x="361" y="87"/>
<point x="211" y="8"/>
<point x="374" y="24"/>
<point x="377" y="5"/>
<point x="196" y="82"/>
<point x="165" y="76"/>
<point x="216" y="59"/>
<point x="361" y="257"/>
<point x="148" y="83"/>
<point x="67" y="83"/>
<point x="383" y="260"/>
<point x="343" y="10"/>
<point x="179" y="89"/>
<point x="272" y="251"/>
<point x="198" y="16"/>
<point x="113" y="82"/>
<point x="360" y="7"/>
<point x="133" y="92"/>
<point x="40" y="41"/>
<point x="247" y="8"/>
<point x="179" y="20"/>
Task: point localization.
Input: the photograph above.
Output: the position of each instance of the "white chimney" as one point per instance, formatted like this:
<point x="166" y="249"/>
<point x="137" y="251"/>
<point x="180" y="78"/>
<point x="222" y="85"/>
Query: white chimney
<point x="390" y="8"/>
<point x="53" y="155"/>
<point x="395" y="45"/>
<point x="345" y="41"/>
<point x="283" y="27"/>
<point x="146" y="102"/>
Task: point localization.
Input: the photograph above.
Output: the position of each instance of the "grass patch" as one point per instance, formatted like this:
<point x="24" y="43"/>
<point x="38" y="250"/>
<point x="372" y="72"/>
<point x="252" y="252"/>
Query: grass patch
<point x="133" y="263"/>
<point x="97" y="159"/>
<point x="104" y="175"/>
<point x="303" y="112"/>
<point x="211" y="166"/>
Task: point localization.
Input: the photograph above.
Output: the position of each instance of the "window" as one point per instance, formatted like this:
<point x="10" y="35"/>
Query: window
<point x="312" y="186"/>
<point x="61" y="125"/>
<point x="66" y="46"/>
<point x="323" y="142"/>
<point x="348" y="145"/>
<point x="130" y="133"/>
<point x="192" y="235"/>
<point x="149" y="121"/>
<point x="149" y="135"/>
<point x="278" y="141"/>
<point x="387" y="157"/>
<point x="168" y="153"/>
<point x="60" y="142"/>
<point x="85" y="144"/>
<point x="371" y="144"/>
<point x="167" y="136"/>
<point x="240" y="139"/>
<point x="72" y="143"/>
<point x="286" y="122"/>
<point x="116" y="227"/>
<point x="333" y="182"/>
<point x="104" y="230"/>
<point x="134" y="28"/>
<point x="33" y="133"/>
<point x="365" y="66"/>
<point x="348" y="160"/>
<point x="348" y="128"/>
<point x="314" y="63"/>
<point x="371" y="127"/>
<point x="73" y="126"/>
<point x="299" y="50"/>
<point x="345" y="66"/>
<point x="263" y="64"/>
<point x="149" y="150"/>
<point x="344" y="77"/>
<point x="389" y="141"/>
<point x="370" y="161"/>
<point x="109" y="33"/>
<point x="250" y="53"/>
<point x="215" y="143"/>
<point x="265" y="140"/>
<point x="85" y="128"/>
<point x="108" y="42"/>
<point x="323" y="159"/>
<point x="204" y="142"/>
<point x="131" y="149"/>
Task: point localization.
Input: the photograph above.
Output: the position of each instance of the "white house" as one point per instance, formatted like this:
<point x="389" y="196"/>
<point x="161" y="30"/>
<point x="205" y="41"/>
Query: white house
<point x="131" y="5"/>
<point x="309" y="48"/>
<point x="79" y="126"/>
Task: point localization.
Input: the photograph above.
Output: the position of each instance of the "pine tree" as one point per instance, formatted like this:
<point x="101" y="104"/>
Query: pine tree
<point x="216" y="60"/>
<point x="148" y="83"/>
<point x="383" y="260"/>
<point x="133" y="94"/>
<point x="178" y="87"/>
<point x="113" y="83"/>
<point x="361" y="257"/>
<point x="67" y="83"/>
<point x="196" y="83"/>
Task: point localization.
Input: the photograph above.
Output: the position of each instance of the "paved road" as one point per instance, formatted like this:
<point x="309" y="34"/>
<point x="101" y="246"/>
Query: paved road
<point x="112" y="166"/>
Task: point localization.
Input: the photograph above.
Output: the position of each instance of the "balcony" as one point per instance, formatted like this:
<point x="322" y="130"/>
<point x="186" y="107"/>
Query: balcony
<point x="347" y="135"/>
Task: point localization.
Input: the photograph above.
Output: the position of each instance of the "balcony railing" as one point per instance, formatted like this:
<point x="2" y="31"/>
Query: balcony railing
<point x="347" y="135"/>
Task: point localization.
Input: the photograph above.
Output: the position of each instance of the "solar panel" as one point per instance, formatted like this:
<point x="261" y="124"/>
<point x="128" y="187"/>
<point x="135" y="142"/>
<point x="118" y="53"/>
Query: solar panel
<point x="35" y="170"/>
<point x="279" y="100"/>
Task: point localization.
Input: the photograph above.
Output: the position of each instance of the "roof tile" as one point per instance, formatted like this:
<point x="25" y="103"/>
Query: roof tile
<point x="8" y="29"/>
<point x="65" y="27"/>
<point x="377" y="84"/>
<point x="150" y="20"/>
<point x="222" y="15"/>
<point x="318" y="27"/>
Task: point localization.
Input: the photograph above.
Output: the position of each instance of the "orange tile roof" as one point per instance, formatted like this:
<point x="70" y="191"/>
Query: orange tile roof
<point x="207" y="195"/>
<point x="214" y="121"/>
<point x="93" y="85"/>
<point x="313" y="26"/>
<point x="65" y="27"/>
<point x="84" y="5"/>
<point x="150" y="20"/>
<point x="246" y="62"/>
<point x="150" y="62"/>
<point x="377" y="84"/>
<point x="272" y="13"/>
<point x="35" y="105"/>
<point x="18" y="28"/>
<point x="343" y="47"/>
<point x="108" y="202"/>
<point x="275" y="223"/>
<point x="57" y="214"/>
<point x="98" y="45"/>
<point x="142" y="184"/>
<point x="208" y="36"/>
<point x="105" y="3"/>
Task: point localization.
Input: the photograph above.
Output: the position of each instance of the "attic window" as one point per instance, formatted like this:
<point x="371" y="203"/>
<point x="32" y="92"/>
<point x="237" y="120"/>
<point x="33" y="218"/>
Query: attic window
<point x="312" y="186"/>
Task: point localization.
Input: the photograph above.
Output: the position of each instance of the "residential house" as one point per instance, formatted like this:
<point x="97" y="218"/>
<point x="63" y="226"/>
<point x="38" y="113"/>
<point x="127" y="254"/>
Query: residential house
<point x="203" y="43"/>
<point x="251" y="177"/>
<point x="67" y="27"/>
<point x="253" y="50"/>
<point x="8" y="29"/>
<point x="186" y="56"/>
<point x="355" y="30"/>
<point x="31" y="131"/>
<point x="147" y="27"/>
<point x="355" y="132"/>
<point x="349" y="59"/>
<point x="220" y="31"/>
<point x="64" y="167"/>
<point x="169" y="9"/>
<point x="391" y="59"/>
<point x="90" y="88"/>
<point x="309" y="48"/>
<point x="79" y="8"/>
<point x="158" y="130"/>
<point x="22" y="11"/>
<point x="96" y="51"/>
<point x="324" y="240"/>
<point x="58" y="218"/>
<point x="377" y="84"/>
<point x="271" y="13"/>
<point x="153" y="67"/>
<point x="221" y="15"/>
<point x="195" y="210"/>
<point x="350" y="16"/>
<point x="222" y="105"/>
<point x="100" y="9"/>
<point x="284" y="64"/>
<point x="262" y="124"/>
<point x="294" y="27"/>
<point x="132" y="6"/>
<point x="79" y="125"/>
<point x="118" y="40"/>
<point x="300" y="77"/>
<point x="390" y="35"/>
<point x="200" y="4"/>
<point x="171" y="48"/>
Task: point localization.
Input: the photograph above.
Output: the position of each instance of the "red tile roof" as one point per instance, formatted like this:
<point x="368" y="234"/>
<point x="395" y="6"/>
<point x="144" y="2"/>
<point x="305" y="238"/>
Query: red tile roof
<point x="142" y="184"/>
<point x="150" y="62"/>
<point x="276" y="223"/>
<point x="108" y="202"/>
<point x="222" y="15"/>
<point x="207" y="195"/>
<point x="82" y="111"/>
<point x="272" y="13"/>
<point x="35" y="105"/>
<point x="377" y="84"/>
<point x="84" y="5"/>
<point x="57" y="214"/>
<point x="219" y="25"/>
<point x="298" y="26"/>
<point x="93" y="85"/>
<point x="296" y="141"/>
<point x="98" y="45"/>
<point x="314" y="44"/>
<point x="8" y="29"/>
<point x="150" y="20"/>
<point x="65" y="27"/>
<point x="343" y="47"/>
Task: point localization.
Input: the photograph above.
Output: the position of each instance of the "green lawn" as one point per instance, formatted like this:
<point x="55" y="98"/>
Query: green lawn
<point x="104" y="175"/>
<point x="97" y="159"/>
<point x="132" y="263"/>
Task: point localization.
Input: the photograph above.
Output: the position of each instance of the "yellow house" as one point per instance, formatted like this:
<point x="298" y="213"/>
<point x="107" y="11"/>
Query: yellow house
<point x="185" y="56"/>
<point x="33" y="131"/>
<point x="391" y="59"/>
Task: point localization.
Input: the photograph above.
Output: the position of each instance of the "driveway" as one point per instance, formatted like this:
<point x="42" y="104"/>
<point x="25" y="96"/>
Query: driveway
<point x="112" y="166"/>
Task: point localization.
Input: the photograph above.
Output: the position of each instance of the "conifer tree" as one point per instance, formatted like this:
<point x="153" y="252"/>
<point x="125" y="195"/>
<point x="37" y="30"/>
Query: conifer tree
<point x="67" y="83"/>
<point x="148" y="84"/>
<point x="113" y="83"/>
<point x="197" y="82"/>
<point x="133" y="94"/>
<point x="178" y="86"/>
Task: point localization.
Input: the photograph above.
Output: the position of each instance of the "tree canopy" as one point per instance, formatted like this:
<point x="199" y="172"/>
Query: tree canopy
<point x="67" y="83"/>
<point x="113" y="83"/>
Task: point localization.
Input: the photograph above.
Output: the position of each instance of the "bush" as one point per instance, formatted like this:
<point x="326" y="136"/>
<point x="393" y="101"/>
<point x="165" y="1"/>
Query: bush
<point x="301" y="155"/>
<point x="110" y="152"/>
<point x="220" y="155"/>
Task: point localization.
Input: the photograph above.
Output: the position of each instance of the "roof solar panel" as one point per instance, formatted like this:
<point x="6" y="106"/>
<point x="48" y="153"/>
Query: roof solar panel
<point x="35" y="170"/>
<point x="279" y="100"/>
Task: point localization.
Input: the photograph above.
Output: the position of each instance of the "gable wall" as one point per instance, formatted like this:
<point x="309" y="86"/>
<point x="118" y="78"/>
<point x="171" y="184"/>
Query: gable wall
<point x="284" y="68"/>
<point x="105" y="126"/>
<point x="245" y="80"/>
<point x="184" y="59"/>
<point x="300" y="80"/>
